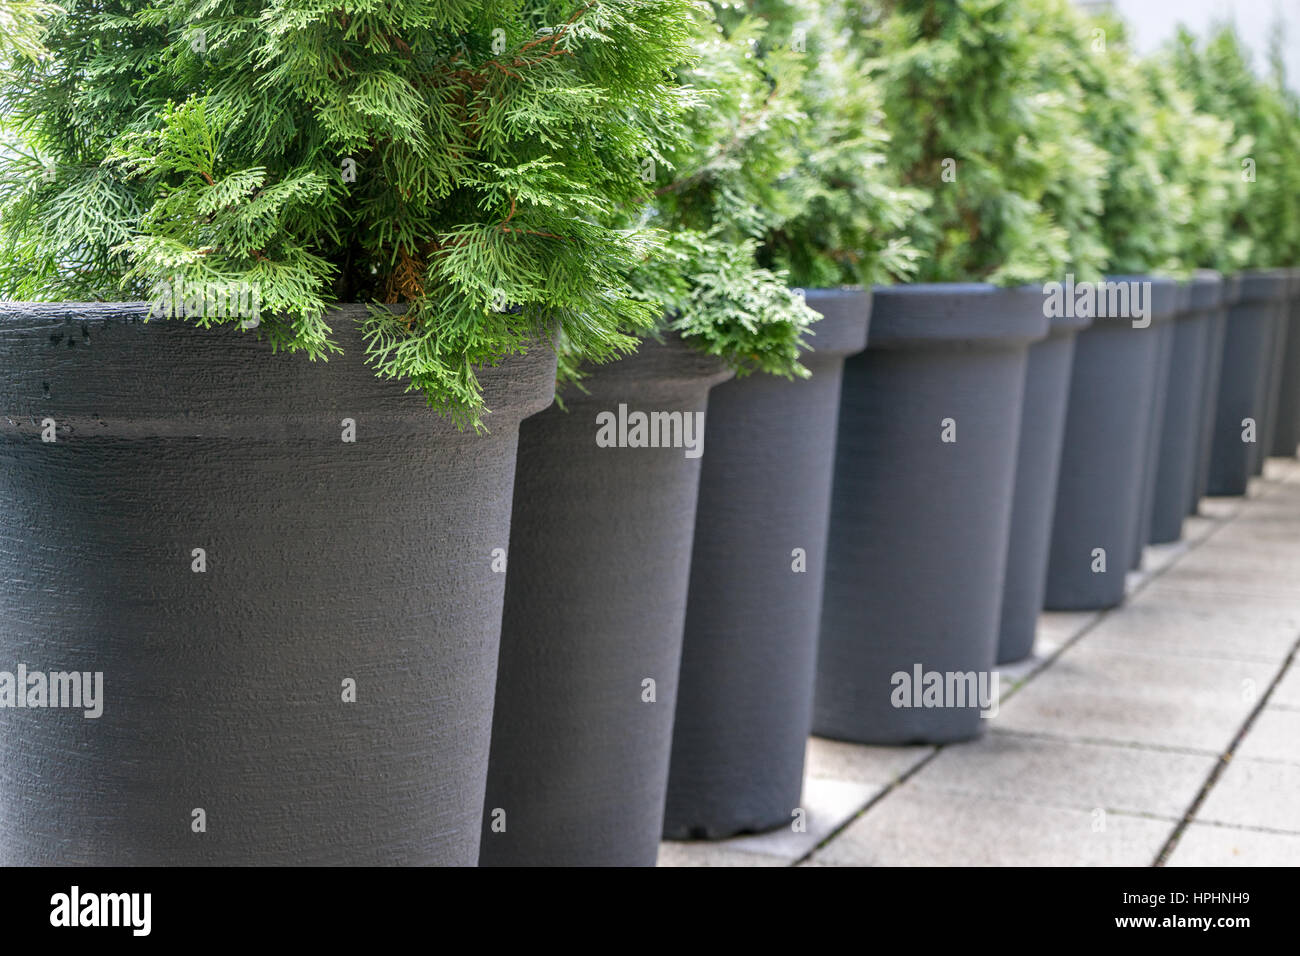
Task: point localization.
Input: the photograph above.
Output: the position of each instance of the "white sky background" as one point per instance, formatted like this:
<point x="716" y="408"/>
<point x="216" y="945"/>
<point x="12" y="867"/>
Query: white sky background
<point x="1154" y="21"/>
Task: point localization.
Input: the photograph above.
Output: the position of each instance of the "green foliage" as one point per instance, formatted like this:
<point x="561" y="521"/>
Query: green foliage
<point x="1132" y="202"/>
<point x="851" y="212"/>
<point x="1265" y="218"/>
<point x="22" y="22"/>
<point x="1195" y="151"/>
<point x="983" y="118"/>
<point x="721" y="192"/>
<point x="492" y="142"/>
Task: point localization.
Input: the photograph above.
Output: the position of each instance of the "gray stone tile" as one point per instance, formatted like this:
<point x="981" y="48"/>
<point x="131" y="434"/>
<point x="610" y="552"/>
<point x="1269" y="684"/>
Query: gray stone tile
<point x="1072" y="774"/>
<point x="829" y="805"/>
<point x="916" y="827"/>
<point x="1255" y="793"/>
<point x="861" y="763"/>
<point x="1287" y="692"/>
<point x="1232" y="631"/>
<point x="709" y="854"/>
<point x="1275" y="735"/>
<point x="1204" y="845"/>
<point x="1105" y="695"/>
<point x="1058" y="628"/>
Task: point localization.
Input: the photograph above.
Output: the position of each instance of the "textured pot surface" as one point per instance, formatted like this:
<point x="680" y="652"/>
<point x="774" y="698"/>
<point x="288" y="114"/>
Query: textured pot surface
<point x="744" y="699"/>
<point x="595" y="602"/>
<point x="918" y="535"/>
<point x="1244" y="380"/>
<point x="1184" y="399"/>
<point x="1152" y="436"/>
<point x="1210" y="395"/>
<point x="1286" y="428"/>
<point x="1275" y="366"/>
<point x="324" y="562"/>
<point x="1098" y="496"/>
<point x="1038" y="462"/>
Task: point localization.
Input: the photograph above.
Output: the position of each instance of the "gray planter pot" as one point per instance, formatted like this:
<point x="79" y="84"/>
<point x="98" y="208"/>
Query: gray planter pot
<point x="595" y="604"/>
<point x="1276" y="363"/>
<point x="1244" y="380"/>
<point x="744" y="697"/>
<point x="1210" y="392"/>
<point x="1038" y="462"/>
<point x="323" y="562"/>
<point x="1180" y="433"/>
<point x="1098" y="495"/>
<point x="1153" y="436"/>
<point x="918" y="536"/>
<point x="1286" y="430"/>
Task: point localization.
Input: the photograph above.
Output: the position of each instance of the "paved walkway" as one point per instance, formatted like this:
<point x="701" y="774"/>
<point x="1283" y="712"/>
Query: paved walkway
<point x="1166" y="731"/>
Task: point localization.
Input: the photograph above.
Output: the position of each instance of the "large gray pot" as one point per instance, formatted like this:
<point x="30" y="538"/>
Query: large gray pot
<point x="595" y="603"/>
<point x="1098" y="495"/>
<point x="1184" y="399"/>
<point x="918" y="537"/>
<point x="1244" y="380"/>
<point x="1209" y="400"/>
<point x="1286" y="429"/>
<point x="744" y="698"/>
<point x="1153" y="436"/>
<point x="326" y="562"/>
<point x="1038" y="462"/>
<point x="1276" y="363"/>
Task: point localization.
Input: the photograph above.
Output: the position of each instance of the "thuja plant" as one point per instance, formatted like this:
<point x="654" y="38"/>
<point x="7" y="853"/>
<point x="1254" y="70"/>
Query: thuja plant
<point x="460" y="164"/>
<point x="1219" y="76"/>
<point x="1136" y="210"/>
<point x="1193" y="149"/>
<point x="851" y="211"/>
<point x="973" y="124"/>
<point x="720" y="192"/>
<point x="22" y="22"/>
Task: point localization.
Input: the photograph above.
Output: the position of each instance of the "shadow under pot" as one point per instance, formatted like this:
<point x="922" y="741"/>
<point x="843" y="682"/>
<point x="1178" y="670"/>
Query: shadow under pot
<point x="1210" y="394"/>
<point x="1276" y="369"/>
<point x="272" y="576"/>
<point x="1038" y="462"/>
<point x="1107" y="431"/>
<point x="1286" y="429"/>
<point x="744" y="697"/>
<point x="920" y="513"/>
<point x="595" y="604"/>
<point x="1176" y="467"/>
<point x="1244" y="381"/>
<point x="1154" y="434"/>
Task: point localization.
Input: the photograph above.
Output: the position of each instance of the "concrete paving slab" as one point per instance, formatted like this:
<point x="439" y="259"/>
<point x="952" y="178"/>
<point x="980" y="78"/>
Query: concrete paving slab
<point x="1255" y="793"/>
<point x="1244" y="632"/>
<point x="1205" y="845"/>
<point x="709" y="854"/>
<point x="1287" y="692"/>
<point x="1275" y="735"/>
<point x="1071" y="774"/>
<point x="916" y="827"/>
<point x="881" y="766"/>
<point x="829" y="805"/>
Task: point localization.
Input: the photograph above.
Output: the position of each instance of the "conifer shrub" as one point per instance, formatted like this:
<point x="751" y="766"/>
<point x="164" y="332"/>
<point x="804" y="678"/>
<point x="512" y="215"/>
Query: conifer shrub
<point x="461" y="164"/>
<point x="721" y="191"/>
<point x="981" y="122"/>
<point x="1217" y="72"/>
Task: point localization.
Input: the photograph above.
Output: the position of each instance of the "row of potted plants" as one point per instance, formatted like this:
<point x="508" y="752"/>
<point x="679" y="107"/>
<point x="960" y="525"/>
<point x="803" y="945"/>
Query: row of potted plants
<point x="392" y="605"/>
